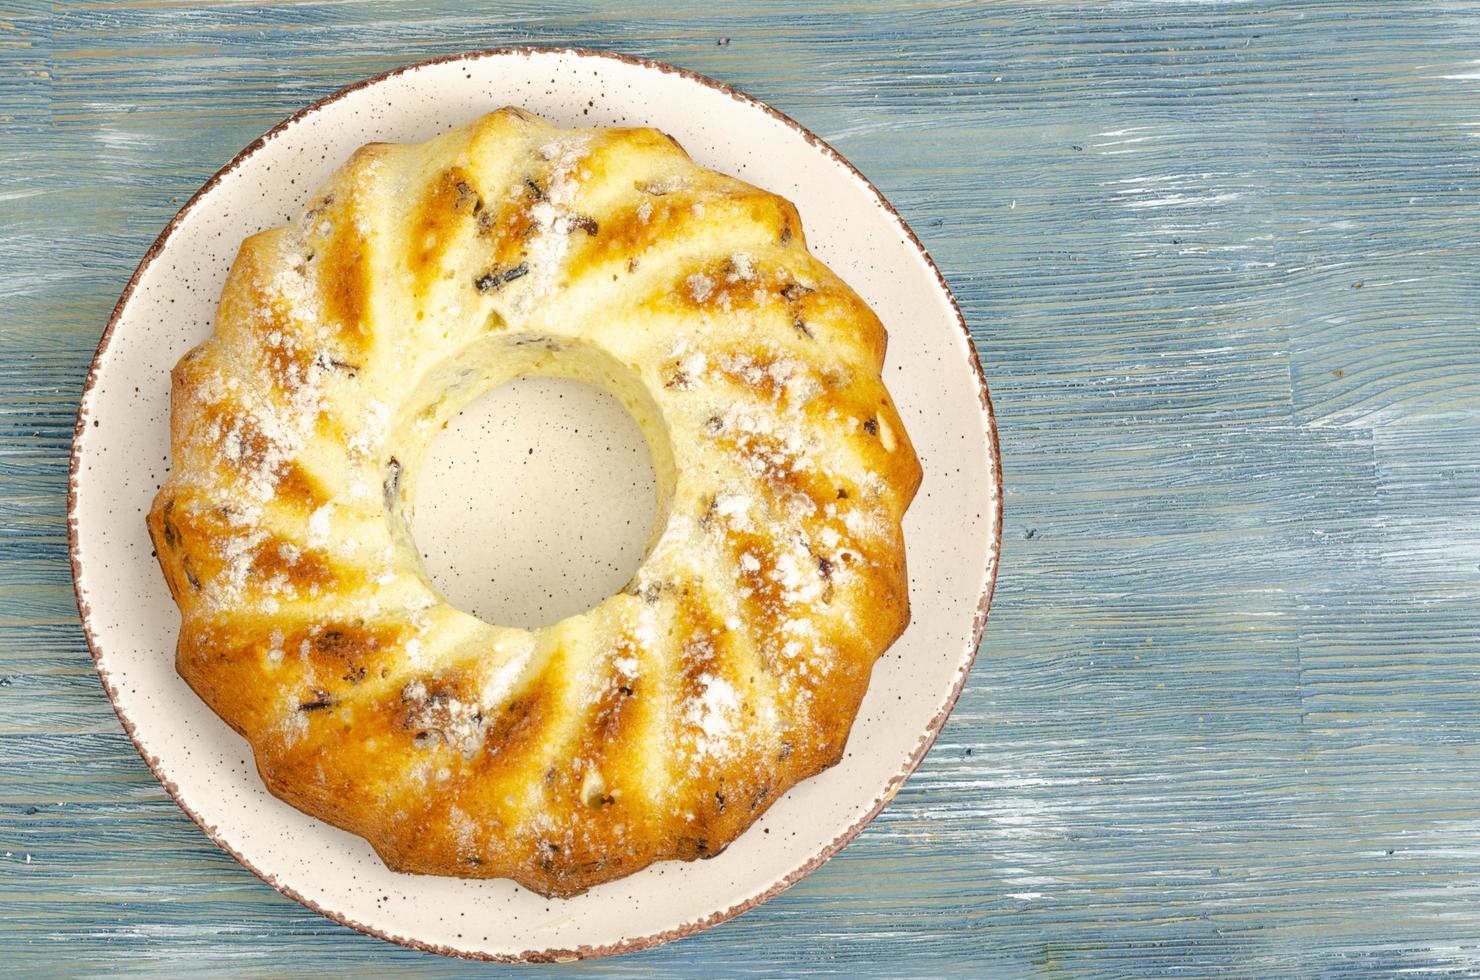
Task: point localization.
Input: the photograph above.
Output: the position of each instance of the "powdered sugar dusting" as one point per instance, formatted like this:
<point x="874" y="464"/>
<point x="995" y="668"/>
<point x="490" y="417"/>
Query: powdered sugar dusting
<point x="773" y="376"/>
<point x="553" y="222"/>
<point x="693" y="364"/>
<point x="254" y="432"/>
<point x="275" y="647"/>
<point x="741" y="268"/>
<point x="372" y="428"/>
<point x="500" y="683"/>
<point x="798" y="577"/>
<point x="645" y="629"/>
<point x="438" y="717"/>
<point x="293" y="725"/>
<point x="714" y="714"/>
<point x="464" y="831"/>
<point x="734" y="509"/>
<point x="700" y="286"/>
<point x="319" y="523"/>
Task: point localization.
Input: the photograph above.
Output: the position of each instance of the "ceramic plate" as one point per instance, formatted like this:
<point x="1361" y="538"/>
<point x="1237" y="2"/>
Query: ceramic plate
<point x="121" y="454"/>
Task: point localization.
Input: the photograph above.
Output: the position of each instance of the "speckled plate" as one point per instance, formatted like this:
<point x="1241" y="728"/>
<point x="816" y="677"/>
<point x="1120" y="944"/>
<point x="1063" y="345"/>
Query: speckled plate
<point x="121" y="453"/>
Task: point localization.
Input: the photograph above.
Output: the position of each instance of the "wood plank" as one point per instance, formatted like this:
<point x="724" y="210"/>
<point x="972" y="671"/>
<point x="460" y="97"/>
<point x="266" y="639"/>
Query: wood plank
<point x="1220" y="261"/>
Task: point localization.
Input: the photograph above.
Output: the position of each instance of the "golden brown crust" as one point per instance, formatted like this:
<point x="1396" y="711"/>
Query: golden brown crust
<point x="660" y="724"/>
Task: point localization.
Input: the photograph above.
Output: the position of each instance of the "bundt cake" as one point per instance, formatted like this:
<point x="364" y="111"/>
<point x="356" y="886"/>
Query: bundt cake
<point x="657" y="725"/>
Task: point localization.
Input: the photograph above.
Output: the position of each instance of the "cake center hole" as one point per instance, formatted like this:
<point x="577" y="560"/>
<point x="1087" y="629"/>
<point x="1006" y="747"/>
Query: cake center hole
<point x="535" y="503"/>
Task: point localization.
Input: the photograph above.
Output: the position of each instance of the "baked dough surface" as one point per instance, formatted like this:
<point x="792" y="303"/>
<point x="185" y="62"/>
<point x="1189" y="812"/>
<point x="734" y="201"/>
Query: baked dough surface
<point x="657" y="725"/>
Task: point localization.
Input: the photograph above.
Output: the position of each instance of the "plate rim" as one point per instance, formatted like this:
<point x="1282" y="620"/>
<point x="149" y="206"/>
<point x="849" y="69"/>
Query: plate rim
<point x="890" y="789"/>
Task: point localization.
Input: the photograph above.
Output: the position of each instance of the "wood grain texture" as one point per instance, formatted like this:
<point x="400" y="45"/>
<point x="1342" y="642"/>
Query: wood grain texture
<point x="1220" y="259"/>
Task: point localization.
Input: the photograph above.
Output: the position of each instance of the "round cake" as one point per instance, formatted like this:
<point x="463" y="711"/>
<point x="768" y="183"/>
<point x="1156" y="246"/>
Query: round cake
<point x="658" y="724"/>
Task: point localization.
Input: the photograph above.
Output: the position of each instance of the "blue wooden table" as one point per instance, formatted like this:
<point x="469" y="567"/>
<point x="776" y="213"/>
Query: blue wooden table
<point x="1222" y="261"/>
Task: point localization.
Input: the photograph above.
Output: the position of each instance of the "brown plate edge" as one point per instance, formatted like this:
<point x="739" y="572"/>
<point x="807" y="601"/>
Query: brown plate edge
<point x="927" y="739"/>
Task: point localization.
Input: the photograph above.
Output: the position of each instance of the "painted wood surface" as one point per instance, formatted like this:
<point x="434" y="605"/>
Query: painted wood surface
<point x="1221" y="262"/>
